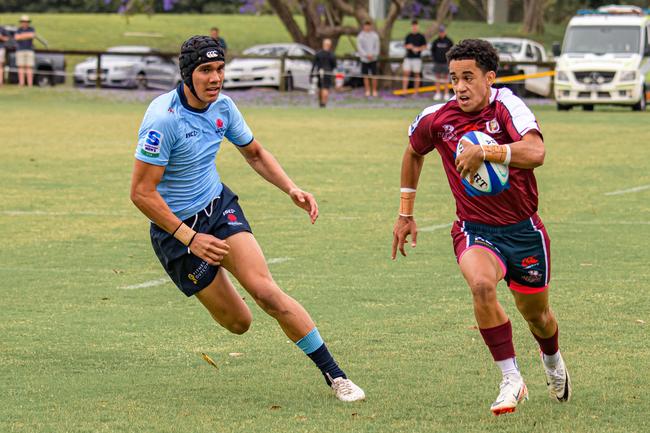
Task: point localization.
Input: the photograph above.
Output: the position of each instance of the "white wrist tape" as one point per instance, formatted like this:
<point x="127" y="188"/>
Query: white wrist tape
<point x="508" y="155"/>
<point x="407" y="189"/>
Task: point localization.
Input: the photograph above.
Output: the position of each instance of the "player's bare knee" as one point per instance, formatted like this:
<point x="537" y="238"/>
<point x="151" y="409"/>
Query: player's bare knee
<point x="270" y="299"/>
<point x="240" y="326"/>
<point x="483" y="291"/>
<point x="537" y="317"/>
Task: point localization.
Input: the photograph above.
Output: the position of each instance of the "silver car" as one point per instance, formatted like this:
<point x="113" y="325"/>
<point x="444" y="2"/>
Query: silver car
<point x="254" y="72"/>
<point x="147" y="69"/>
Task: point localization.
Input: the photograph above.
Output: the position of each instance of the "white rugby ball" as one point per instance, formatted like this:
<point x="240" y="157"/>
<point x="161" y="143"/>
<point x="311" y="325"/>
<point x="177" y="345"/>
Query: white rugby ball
<point x="491" y="178"/>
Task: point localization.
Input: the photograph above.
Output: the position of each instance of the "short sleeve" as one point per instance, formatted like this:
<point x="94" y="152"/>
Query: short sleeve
<point x="238" y="131"/>
<point x="421" y="130"/>
<point x="518" y="118"/>
<point x="156" y="138"/>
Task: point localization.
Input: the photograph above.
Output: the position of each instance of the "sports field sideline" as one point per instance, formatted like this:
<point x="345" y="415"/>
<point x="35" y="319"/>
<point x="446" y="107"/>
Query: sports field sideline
<point x="94" y="338"/>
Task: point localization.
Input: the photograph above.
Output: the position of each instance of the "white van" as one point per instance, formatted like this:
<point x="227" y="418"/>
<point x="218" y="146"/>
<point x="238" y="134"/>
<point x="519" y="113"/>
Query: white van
<point x="604" y="60"/>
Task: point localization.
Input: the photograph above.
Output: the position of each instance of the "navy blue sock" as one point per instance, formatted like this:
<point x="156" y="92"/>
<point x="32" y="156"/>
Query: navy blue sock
<point x="326" y="363"/>
<point x="313" y="346"/>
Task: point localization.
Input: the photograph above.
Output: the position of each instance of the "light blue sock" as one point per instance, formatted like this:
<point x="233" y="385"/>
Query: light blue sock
<point x="310" y="342"/>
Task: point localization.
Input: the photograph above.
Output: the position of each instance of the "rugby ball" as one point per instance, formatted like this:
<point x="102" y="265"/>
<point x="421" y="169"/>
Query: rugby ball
<point x="491" y="178"/>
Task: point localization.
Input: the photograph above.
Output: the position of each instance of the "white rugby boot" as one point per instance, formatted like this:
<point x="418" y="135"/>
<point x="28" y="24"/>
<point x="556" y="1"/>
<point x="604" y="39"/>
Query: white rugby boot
<point x="512" y="391"/>
<point x="557" y="380"/>
<point x="346" y="390"/>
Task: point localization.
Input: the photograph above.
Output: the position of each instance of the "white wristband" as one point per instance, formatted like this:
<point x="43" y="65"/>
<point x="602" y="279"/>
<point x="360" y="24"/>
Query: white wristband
<point x="508" y="155"/>
<point x="407" y="189"/>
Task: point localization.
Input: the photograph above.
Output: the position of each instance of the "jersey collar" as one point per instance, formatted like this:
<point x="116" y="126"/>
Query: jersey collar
<point x="186" y="105"/>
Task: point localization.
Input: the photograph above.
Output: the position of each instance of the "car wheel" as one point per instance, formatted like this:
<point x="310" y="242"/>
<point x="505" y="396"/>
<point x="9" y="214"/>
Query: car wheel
<point x="588" y="107"/>
<point x="640" y="106"/>
<point x="44" y="80"/>
<point x="563" y="107"/>
<point x="288" y="82"/>
<point x="141" y="81"/>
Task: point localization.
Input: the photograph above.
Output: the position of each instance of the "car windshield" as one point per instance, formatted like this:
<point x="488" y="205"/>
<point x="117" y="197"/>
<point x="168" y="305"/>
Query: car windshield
<point x="507" y="47"/>
<point x="601" y="40"/>
<point x="266" y="51"/>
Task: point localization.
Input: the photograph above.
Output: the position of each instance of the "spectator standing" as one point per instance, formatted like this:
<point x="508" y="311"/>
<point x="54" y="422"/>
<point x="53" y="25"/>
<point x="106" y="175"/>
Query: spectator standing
<point x="4" y="37"/>
<point x="414" y="43"/>
<point x="368" y="49"/>
<point x="25" y="51"/>
<point x="439" y="48"/>
<point x="323" y="67"/>
<point x="214" y="34"/>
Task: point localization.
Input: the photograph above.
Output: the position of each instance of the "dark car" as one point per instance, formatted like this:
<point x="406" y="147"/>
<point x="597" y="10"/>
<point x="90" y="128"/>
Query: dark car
<point x="49" y="68"/>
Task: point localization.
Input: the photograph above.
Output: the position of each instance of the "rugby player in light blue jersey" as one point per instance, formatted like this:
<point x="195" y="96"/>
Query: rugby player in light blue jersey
<point x="197" y="224"/>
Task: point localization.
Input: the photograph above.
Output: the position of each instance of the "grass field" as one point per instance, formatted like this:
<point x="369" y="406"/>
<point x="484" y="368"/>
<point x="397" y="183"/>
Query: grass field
<point x="100" y="31"/>
<point x="85" y="347"/>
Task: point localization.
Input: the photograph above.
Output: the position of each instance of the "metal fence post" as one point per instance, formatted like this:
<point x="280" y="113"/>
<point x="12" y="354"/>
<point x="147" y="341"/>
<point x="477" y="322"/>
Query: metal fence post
<point x="98" y="71"/>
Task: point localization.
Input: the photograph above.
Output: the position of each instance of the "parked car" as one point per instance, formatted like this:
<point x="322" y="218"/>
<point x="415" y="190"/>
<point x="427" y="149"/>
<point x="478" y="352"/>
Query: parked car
<point x="254" y="72"/>
<point x="605" y="59"/>
<point x="351" y="68"/>
<point x="523" y="50"/>
<point x="49" y="68"/>
<point x="143" y="70"/>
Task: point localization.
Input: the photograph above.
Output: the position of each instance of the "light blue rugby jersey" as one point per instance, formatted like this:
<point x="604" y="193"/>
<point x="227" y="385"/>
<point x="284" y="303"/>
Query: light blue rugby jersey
<point x="186" y="140"/>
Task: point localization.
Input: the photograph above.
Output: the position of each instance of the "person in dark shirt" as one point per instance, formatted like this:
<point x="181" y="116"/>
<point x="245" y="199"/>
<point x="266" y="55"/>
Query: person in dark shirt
<point x="414" y="43"/>
<point x="25" y="51"/>
<point x="323" y="68"/>
<point x="4" y="37"/>
<point x="214" y="34"/>
<point x="439" y="48"/>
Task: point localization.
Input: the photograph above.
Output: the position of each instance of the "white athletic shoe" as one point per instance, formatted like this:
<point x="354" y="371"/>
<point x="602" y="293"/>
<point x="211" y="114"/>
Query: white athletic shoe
<point x="346" y="390"/>
<point x="557" y="381"/>
<point x="512" y="391"/>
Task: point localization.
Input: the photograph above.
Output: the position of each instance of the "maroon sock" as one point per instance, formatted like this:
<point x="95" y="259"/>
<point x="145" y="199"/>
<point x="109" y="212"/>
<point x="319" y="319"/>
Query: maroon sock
<point x="499" y="341"/>
<point x="549" y="345"/>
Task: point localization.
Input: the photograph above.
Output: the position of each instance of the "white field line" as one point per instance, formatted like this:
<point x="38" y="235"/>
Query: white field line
<point x="161" y="281"/>
<point x="151" y="283"/>
<point x="629" y="190"/>
<point x="434" y="227"/>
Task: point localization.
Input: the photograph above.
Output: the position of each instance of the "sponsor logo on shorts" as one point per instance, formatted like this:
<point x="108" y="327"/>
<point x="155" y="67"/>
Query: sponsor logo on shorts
<point x="198" y="273"/>
<point x="529" y="262"/>
<point x="231" y="216"/>
<point x="533" y="276"/>
<point x="151" y="145"/>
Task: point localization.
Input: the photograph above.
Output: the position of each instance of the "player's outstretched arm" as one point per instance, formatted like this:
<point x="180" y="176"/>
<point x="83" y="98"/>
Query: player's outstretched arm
<point x="146" y="197"/>
<point x="405" y="224"/>
<point x="265" y="164"/>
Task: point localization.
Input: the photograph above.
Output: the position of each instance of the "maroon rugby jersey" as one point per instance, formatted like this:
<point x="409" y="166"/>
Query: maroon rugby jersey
<point x="506" y="119"/>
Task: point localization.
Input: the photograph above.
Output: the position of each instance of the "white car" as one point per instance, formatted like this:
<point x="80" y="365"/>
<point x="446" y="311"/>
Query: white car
<point x="147" y="69"/>
<point x="254" y="72"/>
<point x="524" y="50"/>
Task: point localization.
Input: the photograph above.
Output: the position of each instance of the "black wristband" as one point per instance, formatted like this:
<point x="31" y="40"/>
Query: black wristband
<point x="190" y="242"/>
<point x="179" y="226"/>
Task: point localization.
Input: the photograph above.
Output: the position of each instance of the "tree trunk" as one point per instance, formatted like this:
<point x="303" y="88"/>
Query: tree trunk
<point x="534" y="16"/>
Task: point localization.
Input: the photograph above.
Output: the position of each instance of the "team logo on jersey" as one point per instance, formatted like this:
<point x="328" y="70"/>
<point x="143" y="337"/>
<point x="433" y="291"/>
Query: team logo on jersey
<point x="493" y="126"/>
<point x="449" y="133"/>
<point x="220" y="126"/>
<point x="151" y="145"/>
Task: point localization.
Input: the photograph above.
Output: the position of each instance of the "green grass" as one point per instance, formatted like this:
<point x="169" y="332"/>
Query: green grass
<point x="100" y="31"/>
<point x="79" y="353"/>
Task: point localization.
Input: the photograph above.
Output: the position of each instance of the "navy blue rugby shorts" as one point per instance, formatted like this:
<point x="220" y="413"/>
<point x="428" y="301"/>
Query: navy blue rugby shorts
<point x="222" y="218"/>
